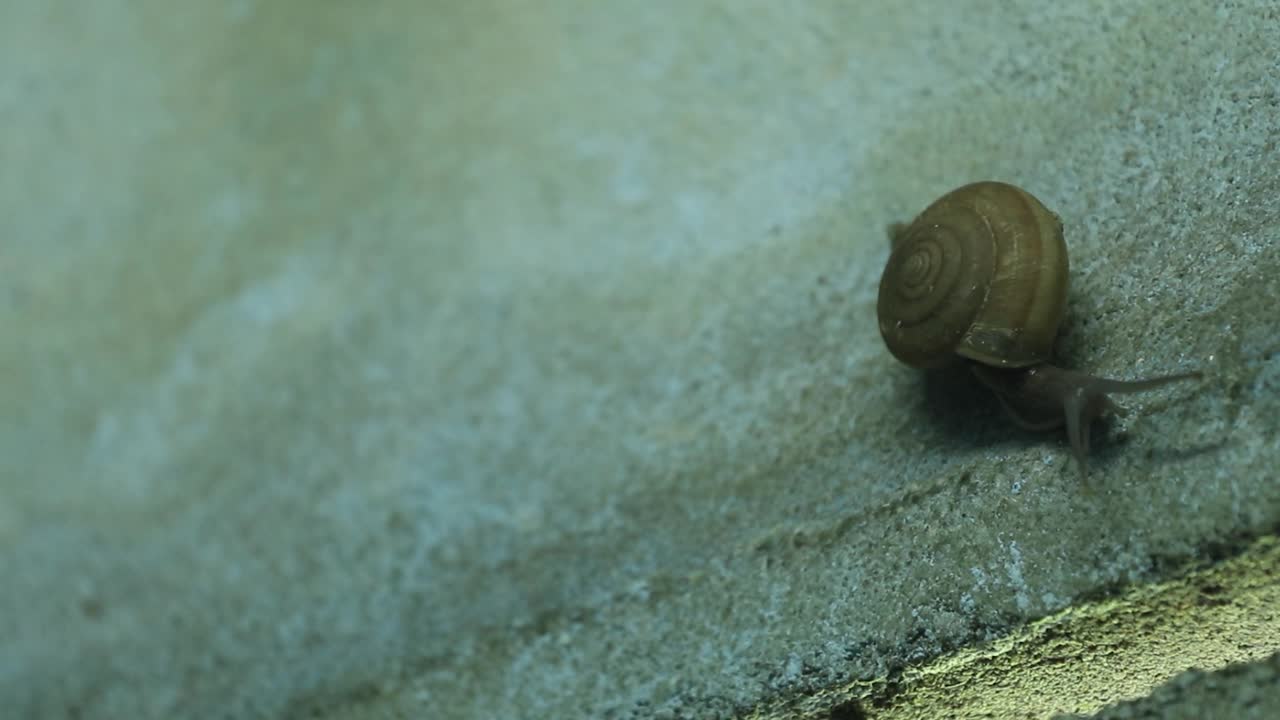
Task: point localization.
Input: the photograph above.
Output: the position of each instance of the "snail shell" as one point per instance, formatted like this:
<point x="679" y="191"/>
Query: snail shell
<point x="981" y="273"/>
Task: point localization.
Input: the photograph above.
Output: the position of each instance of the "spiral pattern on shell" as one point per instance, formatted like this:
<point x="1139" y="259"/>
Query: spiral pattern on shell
<point x="981" y="273"/>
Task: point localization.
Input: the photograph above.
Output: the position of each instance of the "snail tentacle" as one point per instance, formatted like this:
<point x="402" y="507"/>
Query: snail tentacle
<point x="1078" y="422"/>
<point x="1044" y="396"/>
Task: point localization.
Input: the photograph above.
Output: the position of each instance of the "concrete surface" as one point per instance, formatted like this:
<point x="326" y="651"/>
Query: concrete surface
<point x="1096" y="656"/>
<point x="1247" y="691"/>
<point x="503" y="359"/>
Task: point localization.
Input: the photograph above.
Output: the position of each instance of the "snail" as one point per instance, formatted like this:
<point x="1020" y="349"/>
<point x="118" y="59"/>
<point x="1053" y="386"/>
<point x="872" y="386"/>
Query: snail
<point x="980" y="277"/>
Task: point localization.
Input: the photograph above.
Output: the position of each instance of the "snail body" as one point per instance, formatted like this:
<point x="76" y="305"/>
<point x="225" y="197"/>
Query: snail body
<point x="980" y="277"/>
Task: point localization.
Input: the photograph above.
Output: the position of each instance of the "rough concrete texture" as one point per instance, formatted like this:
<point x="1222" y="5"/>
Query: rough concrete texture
<point x="1088" y="656"/>
<point x="1247" y="691"/>
<point x="501" y="359"/>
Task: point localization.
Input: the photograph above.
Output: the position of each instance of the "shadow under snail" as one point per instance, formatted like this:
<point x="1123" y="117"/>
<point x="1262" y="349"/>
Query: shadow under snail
<point x="980" y="277"/>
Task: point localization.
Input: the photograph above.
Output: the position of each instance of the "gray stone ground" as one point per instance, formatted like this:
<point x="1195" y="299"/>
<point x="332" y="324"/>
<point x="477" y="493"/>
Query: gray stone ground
<point x="504" y="359"/>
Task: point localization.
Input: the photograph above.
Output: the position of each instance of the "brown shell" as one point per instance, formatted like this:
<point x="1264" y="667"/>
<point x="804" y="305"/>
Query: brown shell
<point x="981" y="273"/>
